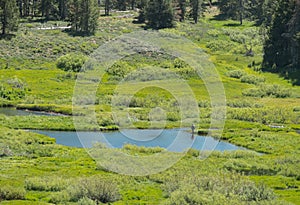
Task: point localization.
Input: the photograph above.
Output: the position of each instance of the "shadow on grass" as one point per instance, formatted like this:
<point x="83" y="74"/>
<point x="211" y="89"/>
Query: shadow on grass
<point x="233" y="24"/>
<point x="73" y="33"/>
<point x="293" y="76"/>
<point x="7" y="36"/>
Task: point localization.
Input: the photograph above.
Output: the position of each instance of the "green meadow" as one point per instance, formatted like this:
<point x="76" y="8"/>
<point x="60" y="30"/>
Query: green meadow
<point x="262" y="115"/>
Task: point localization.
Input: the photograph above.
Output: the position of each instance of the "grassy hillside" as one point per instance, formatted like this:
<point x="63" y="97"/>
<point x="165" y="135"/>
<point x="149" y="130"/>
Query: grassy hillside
<point x="35" y="170"/>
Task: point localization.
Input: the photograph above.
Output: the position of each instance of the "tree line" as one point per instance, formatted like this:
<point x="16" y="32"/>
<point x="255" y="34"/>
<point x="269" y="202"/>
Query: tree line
<point x="280" y="19"/>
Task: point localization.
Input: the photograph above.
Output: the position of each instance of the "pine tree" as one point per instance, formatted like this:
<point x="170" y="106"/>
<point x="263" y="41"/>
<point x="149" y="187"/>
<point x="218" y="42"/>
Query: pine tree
<point x="159" y="14"/>
<point x="196" y="6"/>
<point x="107" y="7"/>
<point x="48" y="7"/>
<point x="84" y="16"/>
<point x="63" y="9"/>
<point x="182" y="7"/>
<point x="282" y="45"/>
<point x="8" y="16"/>
<point x="121" y="5"/>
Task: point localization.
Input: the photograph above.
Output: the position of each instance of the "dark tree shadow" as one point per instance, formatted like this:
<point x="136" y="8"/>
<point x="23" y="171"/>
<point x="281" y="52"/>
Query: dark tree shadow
<point x="7" y="37"/>
<point x="220" y="17"/>
<point x="232" y="24"/>
<point x="73" y="33"/>
<point x="292" y="75"/>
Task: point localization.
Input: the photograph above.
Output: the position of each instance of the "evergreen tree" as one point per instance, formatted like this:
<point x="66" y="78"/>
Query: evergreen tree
<point x="142" y="6"/>
<point x="196" y="6"/>
<point x="121" y="5"/>
<point x="159" y="14"/>
<point x="84" y="16"/>
<point x="281" y="49"/>
<point x="63" y="9"/>
<point x="48" y="7"/>
<point x="243" y="9"/>
<point x="107" y="7"/>
<point x="182" y="9"/>
<point x="8" y="16"/>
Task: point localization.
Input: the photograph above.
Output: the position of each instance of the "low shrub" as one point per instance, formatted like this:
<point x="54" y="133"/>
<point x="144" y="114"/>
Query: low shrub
<point x="46" y="184"/>
<point x="5" y="151"/>
<point x="86" y="201"/>
<point x="243" y="104"/>
<point x="252" y="79"/>
<point x="12" y="89"/>
<point x="220" y="45"/>
<point x="119" y="70"/>
<point x="96" y="188"/>
<point x="71" y="62"/>
<point x="141" y="149"/>
<point x="11" y="193"/>
<point x="59" y="197"/>
<point x="204" y="104"/>
<point x="172" y="116"/>
<point x="236" y="74"/>
<point x="178" y="63"/>
<point x="265" y="90"/>
<point x="296" y="109"/>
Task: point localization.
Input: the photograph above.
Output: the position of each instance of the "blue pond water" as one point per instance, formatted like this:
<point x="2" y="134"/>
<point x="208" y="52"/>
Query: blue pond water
<point x="173" y="139"/>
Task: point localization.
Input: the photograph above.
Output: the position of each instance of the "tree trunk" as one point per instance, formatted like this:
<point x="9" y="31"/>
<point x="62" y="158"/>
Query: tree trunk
<point x="107" y="5"/>
<point x="20" y="7"/>
<point x="241" y="11"/>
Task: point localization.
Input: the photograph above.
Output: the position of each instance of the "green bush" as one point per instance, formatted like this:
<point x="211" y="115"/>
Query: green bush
<point x="12" y="89"/>
<point x="46" y="184"/>
<point x="86" y="201"/>
<point x="71" y="62"/>
<point x="178" y="63"/>
<point x="96" y="188"/>
<point x="119" y="70"/>
<point x="220" y="45"/>
<point x="236" y="74"/>
<point x="11" y="193"/>
<point x="296" y="109"/>
<point x="59" y="197"/>
<point x="252" y="79"/>
<point x="243" y="104"/>
<point x="172" y="116"/>
<point x="5" y="151"/>
<point x="265" y="90"/>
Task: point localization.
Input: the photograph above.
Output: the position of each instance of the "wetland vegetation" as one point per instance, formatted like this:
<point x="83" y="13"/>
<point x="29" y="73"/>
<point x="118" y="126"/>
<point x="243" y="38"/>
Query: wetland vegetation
<point x="38" y="72"/>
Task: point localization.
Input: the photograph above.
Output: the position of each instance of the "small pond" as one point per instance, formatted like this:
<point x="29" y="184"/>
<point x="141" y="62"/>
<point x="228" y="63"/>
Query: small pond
<point x="176" y="140"/>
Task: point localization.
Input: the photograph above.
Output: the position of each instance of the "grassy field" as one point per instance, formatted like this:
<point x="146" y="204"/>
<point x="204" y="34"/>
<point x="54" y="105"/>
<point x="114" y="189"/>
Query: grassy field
<point x="35" y="170"/>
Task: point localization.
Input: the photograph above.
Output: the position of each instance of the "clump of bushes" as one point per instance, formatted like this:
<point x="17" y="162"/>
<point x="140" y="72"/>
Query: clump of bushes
<point x="252" y="79"/>
<point x="265" y="90"/>
<point x="178" y="63"/>
<point x="261" y="115"/>
<point x="243" y="104"/>
<point x="98" y="189"/>
<point x="220" y="45"/>
<point x="45" y="184"/>
<point x="12" y="89"/>
<point x="11" y="193"/>
<point x="119" y="70"/>
<point x="141" y="149"/>
<point x="208" y="189"/>
<point x="236" y="74"/>
<point x="296" y="109"/>
<point x="5" y="151"/>
<point x="71" y="62"/>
